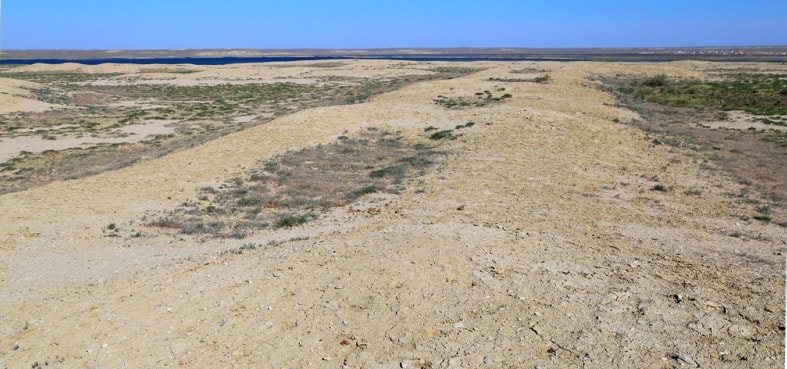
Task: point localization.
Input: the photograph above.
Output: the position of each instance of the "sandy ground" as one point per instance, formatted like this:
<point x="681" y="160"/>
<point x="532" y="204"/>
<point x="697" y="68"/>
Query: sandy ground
<point x="561" y="255"/>
<point x="15" y="96"/>
<point x="12" y="146"/>
<point x="742" y="121"/>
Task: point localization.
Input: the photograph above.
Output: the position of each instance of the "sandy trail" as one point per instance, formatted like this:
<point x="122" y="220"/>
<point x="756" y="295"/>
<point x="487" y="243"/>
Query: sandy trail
<point x="560" y="256"/>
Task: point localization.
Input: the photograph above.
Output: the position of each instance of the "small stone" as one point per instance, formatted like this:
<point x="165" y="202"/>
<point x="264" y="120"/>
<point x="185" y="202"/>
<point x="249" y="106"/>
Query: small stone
<point x="459" y="325"/>
<point x="685" y="359"/>
<point x="487" y="360"/>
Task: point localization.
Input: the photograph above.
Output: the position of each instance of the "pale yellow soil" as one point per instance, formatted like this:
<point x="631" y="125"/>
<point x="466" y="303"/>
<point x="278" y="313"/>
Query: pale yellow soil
<point x="560" y="257"/>
<point x="132" y="133"/>
<point x="743" y="121"/>
<point x="15" y="95"/>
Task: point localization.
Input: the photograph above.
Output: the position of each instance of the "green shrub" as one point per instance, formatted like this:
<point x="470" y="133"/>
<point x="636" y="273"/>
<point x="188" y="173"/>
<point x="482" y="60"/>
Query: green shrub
<point x="289" y="221"/>
<point x="439" y="135"/>
<point x="656" y="81"/>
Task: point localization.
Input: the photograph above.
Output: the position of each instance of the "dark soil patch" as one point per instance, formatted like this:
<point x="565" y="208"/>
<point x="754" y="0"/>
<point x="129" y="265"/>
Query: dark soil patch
<point x="293" y="188"/>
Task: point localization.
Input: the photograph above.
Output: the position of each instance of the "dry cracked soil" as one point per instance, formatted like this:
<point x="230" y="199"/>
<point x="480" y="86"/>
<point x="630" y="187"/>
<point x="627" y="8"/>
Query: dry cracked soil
<point x="537" y="239"/>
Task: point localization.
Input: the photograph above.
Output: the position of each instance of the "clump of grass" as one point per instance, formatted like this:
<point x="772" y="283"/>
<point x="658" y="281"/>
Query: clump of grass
<point x="545" y="79"/>
<point x="656" y="81"/>
<point x="507" y="80"/>
<point x="763" y="214"/>
<point x="659" y="187"/>
<point x="444" y="134"/>
<point x="430" y="128"/>
<point x="482" y="99"/>
<point x="248" y="246"/>
<point x="289" y="221"/>
<point x="389" y="171"/>
<point x="450" y="103"/>
<point x="364" y="191"/>
<point x="111" y="230"/>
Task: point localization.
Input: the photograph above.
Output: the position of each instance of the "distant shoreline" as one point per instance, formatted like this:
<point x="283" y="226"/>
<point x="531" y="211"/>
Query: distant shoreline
<point x="463" y="58"/>
<point x="222" y="57"/>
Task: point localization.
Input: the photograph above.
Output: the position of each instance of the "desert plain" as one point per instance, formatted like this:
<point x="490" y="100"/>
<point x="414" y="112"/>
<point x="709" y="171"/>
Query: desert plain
<point x="386" y="214"/>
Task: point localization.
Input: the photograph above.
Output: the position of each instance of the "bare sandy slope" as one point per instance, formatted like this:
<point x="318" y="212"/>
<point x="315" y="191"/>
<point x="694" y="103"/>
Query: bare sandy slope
<point x="16" y="95"/>
<point x="561" y="255"/>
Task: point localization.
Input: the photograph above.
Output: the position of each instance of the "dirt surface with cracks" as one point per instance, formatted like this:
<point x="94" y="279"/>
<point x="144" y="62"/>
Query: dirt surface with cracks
<point x="537" y="241"/>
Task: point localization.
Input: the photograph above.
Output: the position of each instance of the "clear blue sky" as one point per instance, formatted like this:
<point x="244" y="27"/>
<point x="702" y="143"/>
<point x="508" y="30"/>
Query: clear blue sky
<point x="163" y="24"/>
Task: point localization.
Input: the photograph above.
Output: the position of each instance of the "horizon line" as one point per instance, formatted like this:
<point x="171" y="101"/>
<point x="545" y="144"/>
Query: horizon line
<point x="414" y="48"/>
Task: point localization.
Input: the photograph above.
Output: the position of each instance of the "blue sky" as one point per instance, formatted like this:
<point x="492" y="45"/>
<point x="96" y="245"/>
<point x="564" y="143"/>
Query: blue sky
<point x="162" y="24"/>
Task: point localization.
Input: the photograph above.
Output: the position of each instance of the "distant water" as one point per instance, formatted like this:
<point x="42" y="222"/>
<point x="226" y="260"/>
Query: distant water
<point x="272" y="59"/>
<point x="634" y="57"/>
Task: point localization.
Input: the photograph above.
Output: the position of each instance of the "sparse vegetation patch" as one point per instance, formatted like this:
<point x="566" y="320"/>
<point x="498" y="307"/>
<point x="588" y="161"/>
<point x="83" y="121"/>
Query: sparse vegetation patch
<point x="104" y="105"/>
<point x="481" y="99"/>
<point x="291" y="189"/>
<point x="758" y="94"/>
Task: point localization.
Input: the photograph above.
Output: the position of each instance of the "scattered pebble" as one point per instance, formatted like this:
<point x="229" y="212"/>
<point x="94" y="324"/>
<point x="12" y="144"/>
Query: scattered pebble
<point x="685" y="360"/>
